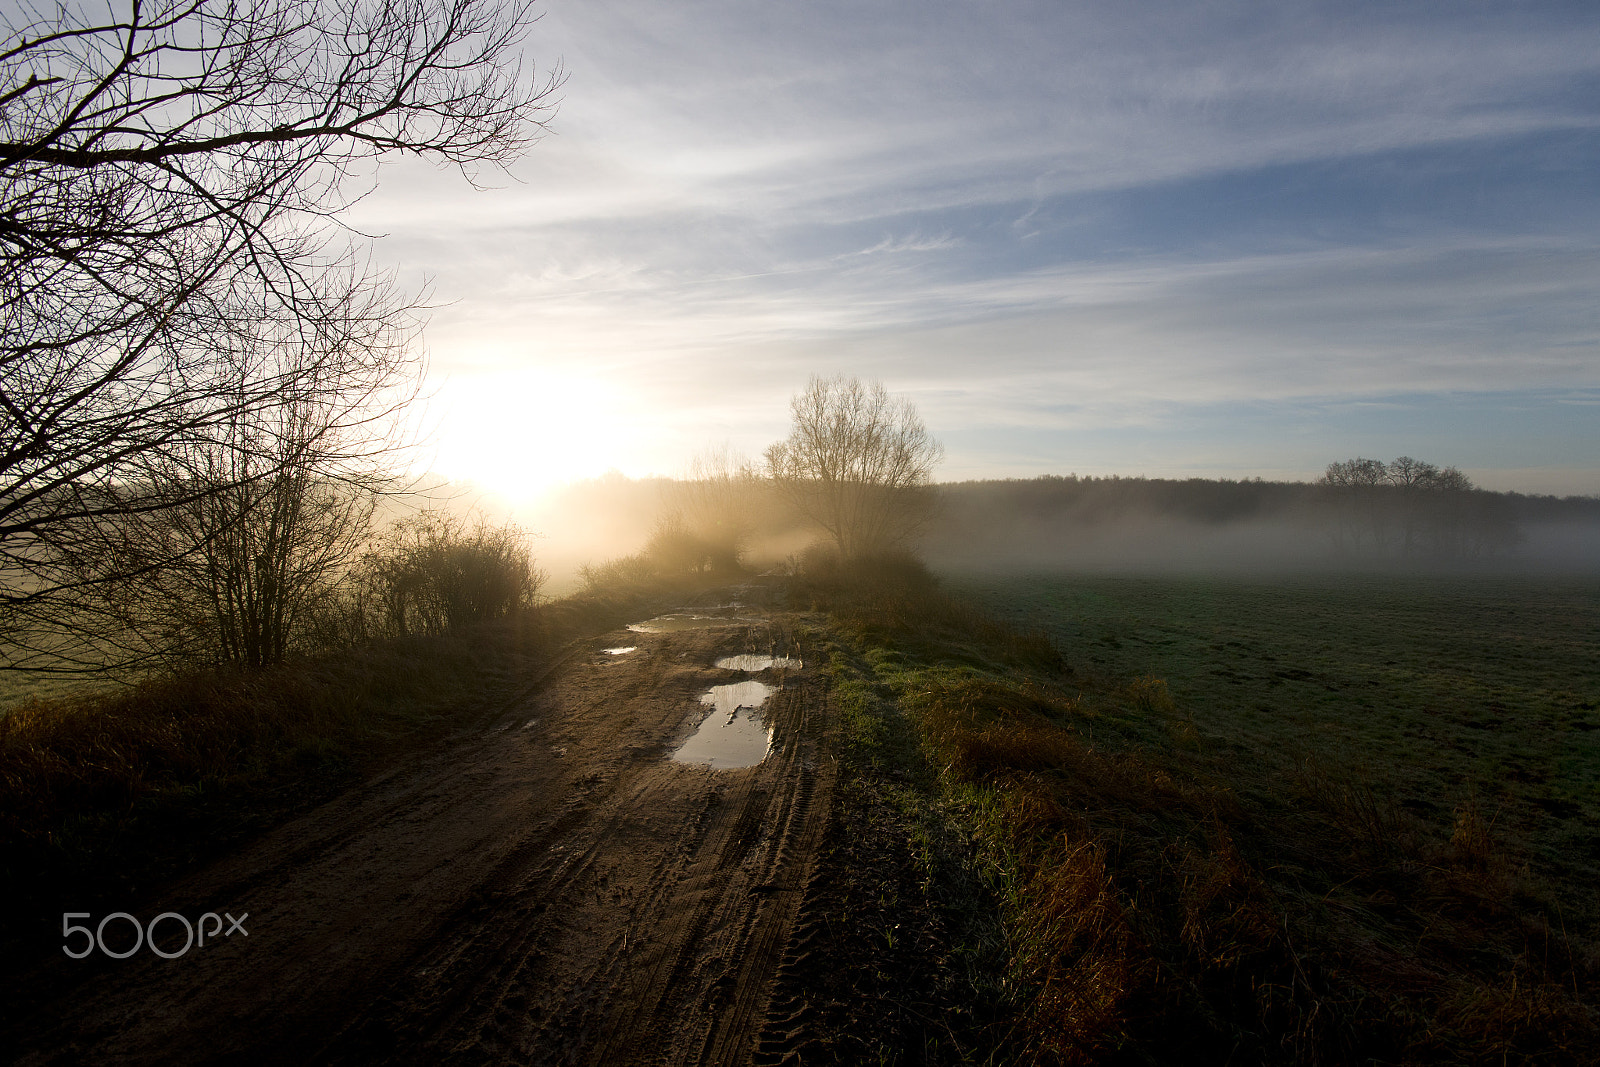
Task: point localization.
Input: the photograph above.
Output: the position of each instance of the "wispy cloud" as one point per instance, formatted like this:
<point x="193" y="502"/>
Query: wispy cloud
<point x="1022" y="210"/>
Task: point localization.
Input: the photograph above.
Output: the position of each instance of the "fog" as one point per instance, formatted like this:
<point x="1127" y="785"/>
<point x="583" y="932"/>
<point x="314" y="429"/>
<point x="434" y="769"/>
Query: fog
<point x="594" y="521"/>
<point x="1152" y="526"/>
<point x="1091" y="526"/>
<point x="1165" y="545"/>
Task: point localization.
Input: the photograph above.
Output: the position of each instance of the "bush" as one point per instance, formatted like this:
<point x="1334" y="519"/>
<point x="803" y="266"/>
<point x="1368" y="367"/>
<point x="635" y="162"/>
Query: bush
<point x="623" y="572"/>
<point x="432" y="573"/>
<point x="674" y="554"/>
<point x="885" y="584"/>
<point x="822" y="565"/>
<point x="674" y="550"/>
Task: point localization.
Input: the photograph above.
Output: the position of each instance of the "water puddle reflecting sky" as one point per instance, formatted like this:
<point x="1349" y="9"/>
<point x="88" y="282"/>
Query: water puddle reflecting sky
<point x="751" y="662"/>
<point x="734" y="733"/>
<point x="667" y="624"/>
<point x="620" y="651"/>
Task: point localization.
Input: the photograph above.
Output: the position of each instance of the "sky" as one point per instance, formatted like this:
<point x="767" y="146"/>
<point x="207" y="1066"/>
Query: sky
<point x="1172" y="239"/>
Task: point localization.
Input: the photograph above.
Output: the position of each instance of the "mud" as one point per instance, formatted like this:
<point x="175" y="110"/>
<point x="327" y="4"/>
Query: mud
<point x="548" y="887"/>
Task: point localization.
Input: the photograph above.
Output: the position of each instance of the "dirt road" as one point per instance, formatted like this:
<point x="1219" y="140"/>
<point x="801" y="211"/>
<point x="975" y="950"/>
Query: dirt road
<point x="554" y="888"/>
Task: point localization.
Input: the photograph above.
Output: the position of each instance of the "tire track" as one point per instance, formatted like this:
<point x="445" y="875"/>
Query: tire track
<point x="550" y="888"/>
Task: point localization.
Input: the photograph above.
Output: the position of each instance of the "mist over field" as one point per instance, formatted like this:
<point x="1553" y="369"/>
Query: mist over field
<point x="1157" y="526"/>
<point x="1113" y="526"/>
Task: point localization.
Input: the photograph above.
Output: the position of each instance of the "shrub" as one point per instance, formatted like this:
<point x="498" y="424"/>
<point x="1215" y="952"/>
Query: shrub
<point x="432" y="573"/>
<point x="673" y="554"/>
<point x="614" y="573"/>
<point x="898" y="570"/>
<point x="674" y="550"/>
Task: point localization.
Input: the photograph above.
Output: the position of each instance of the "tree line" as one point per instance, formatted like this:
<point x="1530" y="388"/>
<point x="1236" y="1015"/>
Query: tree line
<point x="1360" y="510"/>
<point x="1413" y="508"/>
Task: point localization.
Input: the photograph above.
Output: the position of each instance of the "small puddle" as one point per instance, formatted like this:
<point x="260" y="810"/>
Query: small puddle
<point x="667" y="624"/>
<point x="620" y="651"/>
<point x="750" y="662"/>
<point x="734" y="733"/>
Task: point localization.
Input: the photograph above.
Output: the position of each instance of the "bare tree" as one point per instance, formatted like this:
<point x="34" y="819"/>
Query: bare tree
<point x="857" y="462"/>
<point x="267" y="517"/>
<point x="240" y="568"/>
<point x="1356" y="472"/>
<point x="1358" y="482"/>
<point x="170" y="175"/>
<point x="1426" y="505"/>
<point x="1431" y="510"/>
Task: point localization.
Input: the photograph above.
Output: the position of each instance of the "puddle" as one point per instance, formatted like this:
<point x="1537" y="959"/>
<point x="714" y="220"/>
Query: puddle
<point x="667" y="624"/>
<point x="734" y="734"/>
<point x="749" y="661"/>
<point x="620" y="651"/>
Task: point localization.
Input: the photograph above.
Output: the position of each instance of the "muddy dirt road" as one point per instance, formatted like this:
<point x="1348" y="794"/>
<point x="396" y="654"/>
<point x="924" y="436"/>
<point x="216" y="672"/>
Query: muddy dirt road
<point x="553" y="888"/>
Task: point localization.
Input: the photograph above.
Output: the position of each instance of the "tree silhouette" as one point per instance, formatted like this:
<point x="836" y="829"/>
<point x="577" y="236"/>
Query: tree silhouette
<point x="170" y="180"/>
<point x="857" y="462"/>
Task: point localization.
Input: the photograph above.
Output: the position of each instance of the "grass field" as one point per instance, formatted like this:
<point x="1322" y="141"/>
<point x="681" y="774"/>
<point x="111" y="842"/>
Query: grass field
<point x="1111" y="820"/>
<point x="1319" y="821"/>
<point x="1435" y="695"/>
<point x="18" y="686"/>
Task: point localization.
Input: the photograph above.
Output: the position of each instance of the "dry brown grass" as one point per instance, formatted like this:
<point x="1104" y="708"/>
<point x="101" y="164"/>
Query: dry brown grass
<point x="110" y="788"/>
<point x="106" y="753"/>
<point x="89" y="787"/>
<point x="1075" y="948"/>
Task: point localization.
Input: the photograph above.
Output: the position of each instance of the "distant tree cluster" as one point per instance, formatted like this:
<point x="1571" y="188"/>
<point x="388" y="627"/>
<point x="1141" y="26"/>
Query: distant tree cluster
<point x="702" y="525"/>
<point x="1416" y="508"/>
<point x="1404" y="473"/>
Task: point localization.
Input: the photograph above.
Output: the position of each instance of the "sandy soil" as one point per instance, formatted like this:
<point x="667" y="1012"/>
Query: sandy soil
<point x="551" y="889"/>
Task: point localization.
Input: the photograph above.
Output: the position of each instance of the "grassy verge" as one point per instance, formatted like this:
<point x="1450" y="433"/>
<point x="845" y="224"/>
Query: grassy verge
<point x="901" y="954"/>
<point x="1164" y="903"/>
<point x="19" y="687"/>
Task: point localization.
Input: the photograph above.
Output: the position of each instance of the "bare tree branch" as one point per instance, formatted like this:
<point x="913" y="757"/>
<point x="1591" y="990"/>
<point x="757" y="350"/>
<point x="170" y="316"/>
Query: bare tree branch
<point x="171" y="172"/>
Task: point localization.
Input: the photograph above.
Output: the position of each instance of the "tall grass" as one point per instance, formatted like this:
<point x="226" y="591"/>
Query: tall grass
<point x="81" y="779"/>
<point x="108" y="789"/>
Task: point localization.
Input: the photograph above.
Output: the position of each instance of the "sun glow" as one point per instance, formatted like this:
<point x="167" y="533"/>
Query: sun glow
<point x="521" y="432"/>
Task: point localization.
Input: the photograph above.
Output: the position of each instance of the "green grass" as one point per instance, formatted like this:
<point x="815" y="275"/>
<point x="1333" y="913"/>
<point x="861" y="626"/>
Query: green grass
<point x="1310" y="847"/>
<point x="1432" y="693"/>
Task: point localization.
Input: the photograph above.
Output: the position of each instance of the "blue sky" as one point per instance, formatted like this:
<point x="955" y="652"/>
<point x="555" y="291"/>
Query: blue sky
<point x="1173" y="239"/>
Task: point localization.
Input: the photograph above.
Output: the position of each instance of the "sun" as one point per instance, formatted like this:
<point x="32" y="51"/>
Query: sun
<point x="520" y="432"/>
